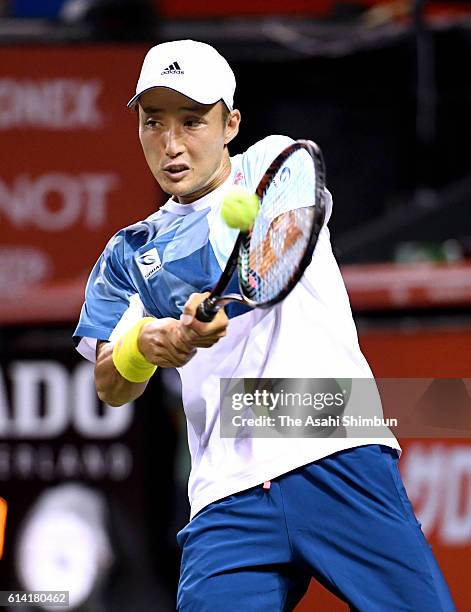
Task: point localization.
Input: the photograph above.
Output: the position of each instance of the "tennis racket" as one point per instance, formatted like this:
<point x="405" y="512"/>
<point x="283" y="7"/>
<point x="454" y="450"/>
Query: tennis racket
<point x="272" y="256"/>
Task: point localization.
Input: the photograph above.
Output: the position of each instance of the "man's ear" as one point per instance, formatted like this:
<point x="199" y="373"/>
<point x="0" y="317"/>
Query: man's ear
<point x="232" y="126"/>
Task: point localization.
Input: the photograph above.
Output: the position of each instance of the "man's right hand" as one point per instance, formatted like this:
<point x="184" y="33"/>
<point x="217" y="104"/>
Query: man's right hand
<point x="168" y="343"/>
<point x="161" y="342"/>
<point x="171" y="343"/>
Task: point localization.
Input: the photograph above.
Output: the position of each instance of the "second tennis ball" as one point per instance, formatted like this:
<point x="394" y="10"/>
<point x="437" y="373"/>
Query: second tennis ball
<point x="239" y="208"/>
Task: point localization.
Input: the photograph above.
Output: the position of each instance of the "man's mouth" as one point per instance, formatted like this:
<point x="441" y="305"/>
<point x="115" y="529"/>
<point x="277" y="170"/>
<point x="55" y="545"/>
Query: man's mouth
<point x="175" y="172"/>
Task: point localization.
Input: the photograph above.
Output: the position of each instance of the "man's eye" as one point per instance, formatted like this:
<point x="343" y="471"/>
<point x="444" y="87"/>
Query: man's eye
<point x="151" y="122"/>
<point x="192" y="122"/>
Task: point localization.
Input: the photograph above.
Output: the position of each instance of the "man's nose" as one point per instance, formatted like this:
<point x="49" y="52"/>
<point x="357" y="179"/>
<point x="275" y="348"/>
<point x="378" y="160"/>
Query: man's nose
<point x="173" y="142"/>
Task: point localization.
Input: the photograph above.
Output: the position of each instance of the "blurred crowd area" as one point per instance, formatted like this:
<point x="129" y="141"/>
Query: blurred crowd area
<point x="58" y="10"/>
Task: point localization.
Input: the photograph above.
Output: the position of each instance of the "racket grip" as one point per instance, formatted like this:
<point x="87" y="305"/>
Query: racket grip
<point x="207" y="310"/>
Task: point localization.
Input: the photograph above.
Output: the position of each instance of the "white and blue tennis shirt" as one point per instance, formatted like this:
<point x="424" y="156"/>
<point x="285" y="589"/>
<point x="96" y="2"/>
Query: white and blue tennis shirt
<point x="151" y="268"/>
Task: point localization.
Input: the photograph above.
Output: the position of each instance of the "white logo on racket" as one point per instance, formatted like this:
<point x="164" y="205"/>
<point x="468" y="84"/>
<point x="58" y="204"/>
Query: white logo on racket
<point x="282" y="177"/>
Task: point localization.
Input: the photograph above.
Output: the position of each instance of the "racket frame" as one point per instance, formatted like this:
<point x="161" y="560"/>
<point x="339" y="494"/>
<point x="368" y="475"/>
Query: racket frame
<point x="208" y="309"/>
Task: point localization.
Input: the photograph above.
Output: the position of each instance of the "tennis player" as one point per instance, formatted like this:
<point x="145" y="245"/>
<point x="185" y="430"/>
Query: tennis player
<point x="266" y="514"/>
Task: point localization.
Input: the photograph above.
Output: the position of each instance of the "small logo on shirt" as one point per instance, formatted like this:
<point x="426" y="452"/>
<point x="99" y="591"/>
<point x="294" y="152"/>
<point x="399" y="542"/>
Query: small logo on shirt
<point x="239" y="177"/>
<point x="149" y="263"/>
<point x="173" y="69"/>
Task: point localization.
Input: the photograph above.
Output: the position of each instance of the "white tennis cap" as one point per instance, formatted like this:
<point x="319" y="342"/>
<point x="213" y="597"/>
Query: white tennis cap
<point x="192" y="68"/>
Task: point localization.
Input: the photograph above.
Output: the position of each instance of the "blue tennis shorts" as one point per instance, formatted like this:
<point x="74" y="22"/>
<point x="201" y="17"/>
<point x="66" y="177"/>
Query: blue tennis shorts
<point x="344" y="520"/>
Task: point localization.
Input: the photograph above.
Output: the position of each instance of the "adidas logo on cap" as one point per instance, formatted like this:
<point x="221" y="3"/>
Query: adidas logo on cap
<point x="173" y="69"/>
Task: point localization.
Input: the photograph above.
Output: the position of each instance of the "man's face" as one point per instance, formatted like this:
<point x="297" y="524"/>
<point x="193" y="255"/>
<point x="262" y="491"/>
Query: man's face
<point x="184" y="142"/>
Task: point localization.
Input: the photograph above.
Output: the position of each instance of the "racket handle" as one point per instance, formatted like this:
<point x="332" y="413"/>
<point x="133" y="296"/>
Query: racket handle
<point x="207" y="310"/>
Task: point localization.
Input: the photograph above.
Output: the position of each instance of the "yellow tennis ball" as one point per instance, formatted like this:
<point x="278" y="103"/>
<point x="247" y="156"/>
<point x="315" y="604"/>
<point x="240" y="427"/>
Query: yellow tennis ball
<point x="239" y="208"/>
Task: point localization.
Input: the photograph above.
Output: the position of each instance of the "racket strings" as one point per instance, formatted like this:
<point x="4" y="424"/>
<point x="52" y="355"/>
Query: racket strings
<point x="282" y="230"/>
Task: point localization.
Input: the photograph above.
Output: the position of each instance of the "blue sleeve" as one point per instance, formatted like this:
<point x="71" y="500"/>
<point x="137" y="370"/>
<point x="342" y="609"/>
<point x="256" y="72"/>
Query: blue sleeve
<point x="107" y="295"/>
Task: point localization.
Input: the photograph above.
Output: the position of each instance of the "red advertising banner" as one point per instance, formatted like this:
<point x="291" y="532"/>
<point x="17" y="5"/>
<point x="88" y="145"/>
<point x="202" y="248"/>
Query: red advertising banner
<point x="419" y="285"/>
<point x="202" y="9"/>
<point x="72" y="171"/>
<point x="211" y="8"/>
